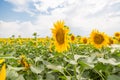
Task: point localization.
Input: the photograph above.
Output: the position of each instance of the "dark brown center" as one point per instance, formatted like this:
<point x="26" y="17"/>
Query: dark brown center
<point x="98" y="38"/>
<point x="60" y="35"/>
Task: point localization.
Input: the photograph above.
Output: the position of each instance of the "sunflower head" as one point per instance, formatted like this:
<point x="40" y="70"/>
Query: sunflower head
<point x="60" y="36"/>
<point x="111" y="41"/>
<point x="98" y="39"/>
<point x="24" y="62"/>
<point x="72" y="38"/>
<point x="117" y="34"/>
<point x="119" y="40"/>
<point x="84" y="40"/>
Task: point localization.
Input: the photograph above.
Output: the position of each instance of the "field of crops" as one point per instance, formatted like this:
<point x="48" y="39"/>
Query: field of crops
<point x="63" y="56"/>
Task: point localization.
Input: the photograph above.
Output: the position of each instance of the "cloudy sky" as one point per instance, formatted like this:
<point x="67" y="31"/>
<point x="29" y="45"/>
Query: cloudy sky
<point x="24" y="17"/>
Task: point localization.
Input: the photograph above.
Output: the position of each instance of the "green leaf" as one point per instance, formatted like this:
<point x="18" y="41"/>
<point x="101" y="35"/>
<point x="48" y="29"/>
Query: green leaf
<point x="113" y="77"/>
<point x="12" y="75"/>
<point x="15" y="68"/>
<point x="111" y="61"/>
<point x="38" y="59"/>
<point x="86" y="65"/>
<point x="20" y="77"/>
<point x="36" y="69"/>
<point x="76" y="57"/>
<point x="8" y="57"/>
<point x="107" y="68"/>
<point x="54" y="67"/>
<point x="73" y="62"/>
<point x="50" y="77"/>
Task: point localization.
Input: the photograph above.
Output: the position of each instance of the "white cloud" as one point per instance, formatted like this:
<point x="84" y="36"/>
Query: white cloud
<point x="16" y="28"/>
<point x="43" y="5"/>
<point x="7" y="28"/>
<point x="25" y="29"/>
<point x="81" y="15"/>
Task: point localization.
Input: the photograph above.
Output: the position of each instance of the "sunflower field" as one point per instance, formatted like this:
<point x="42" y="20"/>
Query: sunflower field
<point x="63" y="56"/>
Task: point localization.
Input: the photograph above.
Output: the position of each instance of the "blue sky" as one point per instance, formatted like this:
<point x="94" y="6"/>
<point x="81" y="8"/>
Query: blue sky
<point x="24" y="17"/>
<point x="8" y="14"/>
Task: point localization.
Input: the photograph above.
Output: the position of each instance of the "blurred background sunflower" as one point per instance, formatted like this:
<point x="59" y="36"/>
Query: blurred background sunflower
<point x="98" y="39"/>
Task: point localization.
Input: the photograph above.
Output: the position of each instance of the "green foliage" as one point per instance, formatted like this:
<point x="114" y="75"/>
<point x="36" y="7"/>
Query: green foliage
<point x="80" y="62"/>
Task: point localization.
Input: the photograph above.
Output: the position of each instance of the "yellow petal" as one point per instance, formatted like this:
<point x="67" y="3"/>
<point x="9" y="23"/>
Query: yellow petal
<point x="1" y="61"/>
<point x="3" y="73"/>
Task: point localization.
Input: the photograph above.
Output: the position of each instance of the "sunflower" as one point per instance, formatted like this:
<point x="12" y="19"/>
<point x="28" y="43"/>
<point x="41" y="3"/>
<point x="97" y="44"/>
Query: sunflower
<point x="24" y="62"/>
<point x="119" y="40"/>
<point x="111" y="41"/>
<point x="84" y="40"/>
<point x="117" y="34"/>
<point x="72" y="38"/>
<point x="98" y="39"/>
<point x="60" y="36"/>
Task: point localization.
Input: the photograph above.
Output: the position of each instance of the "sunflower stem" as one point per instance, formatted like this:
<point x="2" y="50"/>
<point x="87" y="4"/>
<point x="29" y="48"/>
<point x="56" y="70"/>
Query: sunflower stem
<point x="75" y="73"/>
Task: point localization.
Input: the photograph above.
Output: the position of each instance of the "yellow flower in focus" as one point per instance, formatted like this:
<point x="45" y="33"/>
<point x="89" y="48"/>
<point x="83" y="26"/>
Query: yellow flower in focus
<point x="98" y="39"/>
<point x="60" y="36"/>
